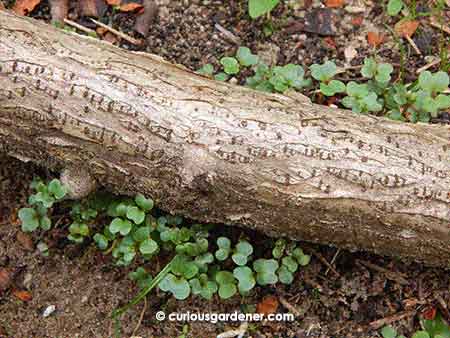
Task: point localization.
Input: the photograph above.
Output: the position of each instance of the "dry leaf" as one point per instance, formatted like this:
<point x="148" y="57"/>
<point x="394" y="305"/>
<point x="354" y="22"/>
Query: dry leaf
<point x="374" y="39"/>
<point x="334" y="3"/>
<point x="406" y="27"/>
<point x="113" y="2"/>
<point x="23" y="295"/>
<point x="5" y="278"/>
<point x="357" y="21"/>
<point x="130" y="7"/>
<point x="25" y="241"/>
<point x="24" y="7"/>
<point x="2" y="6"/>
<point x="268" y="305"/>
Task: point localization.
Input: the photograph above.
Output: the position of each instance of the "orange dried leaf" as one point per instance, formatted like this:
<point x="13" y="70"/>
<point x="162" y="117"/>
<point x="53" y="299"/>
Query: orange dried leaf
<point x="268" y="305"/>
<point x="24" y="7"/>
<point x="23" y="295"/>
<point x="357" y="20"/>
<point x="334" y="3"/>
<point x="113" y="2"/>
<point x="374" y="39"/>
<point x="5" y="279"/>
<point x="406" y="27"/>
<point x="130" y="7"/>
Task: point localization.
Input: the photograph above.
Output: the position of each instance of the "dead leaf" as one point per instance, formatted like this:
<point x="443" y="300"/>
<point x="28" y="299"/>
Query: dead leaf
<point x="330" y="42"/>
<point x="357" y="20"/>
<point x="110" y="37"/>
<point x="2" y="6"/>
<point x="23" y="295"/>
<point x="113" y="2"/>
<point x="132" y="6"/>
<point x="92" y="8"/>
<point x="5" y="278"/>
<point x="25" y="241"/>
<point x="406" y="27"/>
<point x="268" y="305"/>
<point x="374" y="39"/>
<point x="24" y="7"/>
<point x="146" y="18"/>
<point x="59" y="10"/>
<point x="334" y="3"/>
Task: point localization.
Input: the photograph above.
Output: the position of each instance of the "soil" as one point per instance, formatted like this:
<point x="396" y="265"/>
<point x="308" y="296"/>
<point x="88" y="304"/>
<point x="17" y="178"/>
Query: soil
<point x="348" y="300"/>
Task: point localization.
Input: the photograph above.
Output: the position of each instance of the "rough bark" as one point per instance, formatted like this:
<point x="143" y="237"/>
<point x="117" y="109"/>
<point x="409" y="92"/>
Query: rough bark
<point x="222" y="153"/>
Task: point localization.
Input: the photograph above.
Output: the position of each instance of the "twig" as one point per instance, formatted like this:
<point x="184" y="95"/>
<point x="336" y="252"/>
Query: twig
<point x="227" y="34"/>
<point x="333" y="260"/>
<point x="389" y="274"/>
<point x="291" y="308"/>
<point x="437" y="25"/>
<point x="388" y="320"/>
<point x="413" y="44"/>
<point x="78" y="26"/>
<point x="233" y="333"/>
<point x="140" y="317"/>
<point x="443" y="307"/>
<point x="429" y="65"/>
<point x="118" y="33"/>
<point x="324" y="261"/>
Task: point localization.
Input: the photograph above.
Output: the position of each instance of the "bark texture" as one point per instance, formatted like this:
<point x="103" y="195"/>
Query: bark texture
<point x="222" y="153"/>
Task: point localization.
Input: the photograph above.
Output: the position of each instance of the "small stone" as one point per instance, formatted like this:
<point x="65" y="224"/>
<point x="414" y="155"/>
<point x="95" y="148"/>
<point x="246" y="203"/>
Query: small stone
<point x="27" y="279"/>
<point x="48" y="311"/>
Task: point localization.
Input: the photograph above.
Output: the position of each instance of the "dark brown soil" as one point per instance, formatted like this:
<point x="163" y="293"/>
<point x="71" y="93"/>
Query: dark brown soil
<point x="85" y="286"/>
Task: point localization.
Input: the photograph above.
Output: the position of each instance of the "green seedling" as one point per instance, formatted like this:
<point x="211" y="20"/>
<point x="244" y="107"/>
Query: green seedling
<point x="43" y="248"/>
<point x="207" y="70"/>
<point x="257" y="8"/>
<point x="360" y="99"/>
<point x="45" y="197"/>
<point x="242" y="252"/>
<point x="141" y="277"/>
<point x="324" y="74"/>
<point x="245" y="57"/>
<point x="246" y="279"/>
<point x="266" y="271"/>
<point x="230" y="65"/>
<point x="176" y="282"/>
<point x="394" y="7"/>
<point x="78" y="231"/>
<point x="224" y="250"/>
<point x="380" y="72"/>
<point x="227" y="284"/>
<point x="390" y="332"/>
<point x="203" y="286"/>
<point x="294" y="257"/>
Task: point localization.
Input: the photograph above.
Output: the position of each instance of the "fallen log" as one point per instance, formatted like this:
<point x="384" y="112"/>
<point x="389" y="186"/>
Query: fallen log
<point x="222" y="153"/>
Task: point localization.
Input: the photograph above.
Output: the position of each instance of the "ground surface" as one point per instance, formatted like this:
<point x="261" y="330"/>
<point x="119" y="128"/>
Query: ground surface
<point x="85" y="287"/>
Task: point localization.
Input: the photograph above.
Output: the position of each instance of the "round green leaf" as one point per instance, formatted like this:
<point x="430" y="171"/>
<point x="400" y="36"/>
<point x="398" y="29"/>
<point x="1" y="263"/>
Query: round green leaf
<point x="394" y="7"/>
<point x="245" y="57"/>
<point x="145" y="204"/>
<point x="29" y="219"/>
<point x="135" y="214"/>
<point x="148" y="247"/>
<point x="227" y="290"/>
<point x="57" y="189"/>
<point x="256" y="8"/>
<point x="101" y="241"/>
<point x="120" y="225"/>
<point x="388" y="332"/>
<point x="230" y="65"/>
<point x="285" y="275"/>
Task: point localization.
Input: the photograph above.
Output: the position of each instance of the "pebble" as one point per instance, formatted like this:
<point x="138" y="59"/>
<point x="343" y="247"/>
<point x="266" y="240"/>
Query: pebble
<point x="48" y="311"/>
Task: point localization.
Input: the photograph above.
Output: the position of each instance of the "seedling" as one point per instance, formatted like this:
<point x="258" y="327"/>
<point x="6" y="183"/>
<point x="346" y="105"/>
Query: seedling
<point x="227" y="284"/>
<point x="380" y="72"/>
<point x="324" y="74"/>
<point x="246" y="279"/>
<point x="390" y="332"/>
<point x="257" y="8"/>
<point x="203" y="286"/>
<point x="141" y="277"/>
<point x="266" y="271"/>
<point x="394" y="7"/>
<point x="360" y="99"/>
<point x="224" y="245"/>
<point x="45" y="197"/>
<point x="242" y="252"/>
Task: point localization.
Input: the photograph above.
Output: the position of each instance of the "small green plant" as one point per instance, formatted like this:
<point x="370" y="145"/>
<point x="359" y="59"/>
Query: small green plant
<point x="46" y="195"/>
<point x="257" y="8"/>
<point x="394" y="7"/>
<point x="291" y="257"/>
<point x="324" y="74"/>
<point x="360" y="99"/>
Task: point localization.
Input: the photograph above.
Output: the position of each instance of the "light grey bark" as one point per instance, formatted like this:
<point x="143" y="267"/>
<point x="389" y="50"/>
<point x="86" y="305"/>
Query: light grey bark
<point x="222" y="153"/>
